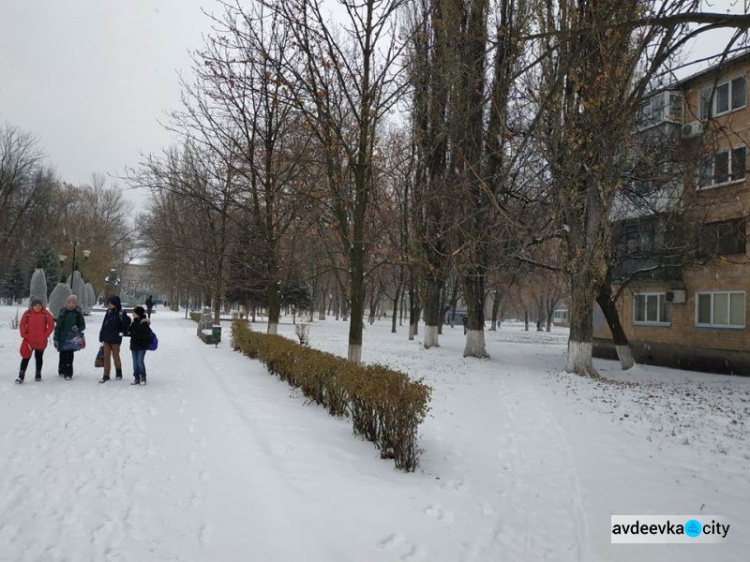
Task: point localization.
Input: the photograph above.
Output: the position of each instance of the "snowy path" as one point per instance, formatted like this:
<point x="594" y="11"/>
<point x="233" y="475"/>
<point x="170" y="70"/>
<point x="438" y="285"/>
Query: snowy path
<point x="215" y="460"/>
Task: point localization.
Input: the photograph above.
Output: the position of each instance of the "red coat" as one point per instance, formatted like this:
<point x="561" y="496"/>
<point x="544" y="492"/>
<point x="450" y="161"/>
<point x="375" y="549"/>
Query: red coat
<point x="35" y="327"/>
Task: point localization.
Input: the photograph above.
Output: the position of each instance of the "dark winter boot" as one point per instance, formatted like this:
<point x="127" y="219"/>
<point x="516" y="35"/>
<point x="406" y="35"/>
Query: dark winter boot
<point x="21" y="375"/>
<point x="143" y="380"/>
<point x="136" y="380"/>
<point x="38" y="376"/>
<point x="105" y="378"/>
<point x="118" y="374"/>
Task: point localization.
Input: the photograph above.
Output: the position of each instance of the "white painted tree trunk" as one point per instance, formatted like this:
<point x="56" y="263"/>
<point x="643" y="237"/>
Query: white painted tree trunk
<point x="273" y="328"/>
<point x="412" y="331"/>
<point x="431" y="337"/>
<point x="625" y="354"/>
<point x="475" y="346"/>
<point x="580" y="358"/>
<point x="355" y="353"/>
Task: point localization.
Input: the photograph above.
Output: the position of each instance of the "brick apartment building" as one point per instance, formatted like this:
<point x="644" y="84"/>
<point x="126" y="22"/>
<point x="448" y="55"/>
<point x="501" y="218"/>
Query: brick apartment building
<point x="688" y="304"/>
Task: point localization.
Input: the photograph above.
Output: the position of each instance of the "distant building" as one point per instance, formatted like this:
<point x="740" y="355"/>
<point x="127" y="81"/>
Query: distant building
<point x="136" y="284"/>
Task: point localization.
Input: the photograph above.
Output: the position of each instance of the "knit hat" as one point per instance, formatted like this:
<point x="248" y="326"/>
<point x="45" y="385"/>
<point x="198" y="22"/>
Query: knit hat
<point x="139" y="311"/>
<point x="35" y="300"/>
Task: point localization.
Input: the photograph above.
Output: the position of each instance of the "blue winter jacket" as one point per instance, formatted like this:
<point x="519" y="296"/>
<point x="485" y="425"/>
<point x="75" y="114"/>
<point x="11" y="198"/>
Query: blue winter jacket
<point x="115" y="323"/>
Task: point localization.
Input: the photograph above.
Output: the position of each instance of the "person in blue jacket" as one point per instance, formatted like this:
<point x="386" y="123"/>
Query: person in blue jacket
<point x="116" y="323"/>
<point x="140" y="339"/>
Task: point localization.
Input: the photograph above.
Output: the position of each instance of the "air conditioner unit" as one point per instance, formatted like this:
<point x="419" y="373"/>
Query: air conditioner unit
<point x="692" y="129"/>
<point x="676" y="297"/>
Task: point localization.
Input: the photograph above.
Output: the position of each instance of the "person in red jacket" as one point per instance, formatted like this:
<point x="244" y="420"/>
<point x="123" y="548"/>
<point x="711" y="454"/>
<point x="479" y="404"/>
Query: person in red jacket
<point x="35" y="327"/>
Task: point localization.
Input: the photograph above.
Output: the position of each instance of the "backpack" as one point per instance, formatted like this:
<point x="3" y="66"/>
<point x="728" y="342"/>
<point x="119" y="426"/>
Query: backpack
<point x="153" y="342"/>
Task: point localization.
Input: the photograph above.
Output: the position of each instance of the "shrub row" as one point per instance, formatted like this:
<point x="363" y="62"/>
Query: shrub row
<point x="384" y="405"/>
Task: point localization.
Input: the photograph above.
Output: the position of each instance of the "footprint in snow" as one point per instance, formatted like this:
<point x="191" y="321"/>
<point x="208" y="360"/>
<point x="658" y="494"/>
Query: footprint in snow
<point x="392" y="541"/>
<point x="205" y="535"/>
<point x="437" y="511"/>
<point x="196" y="500"/>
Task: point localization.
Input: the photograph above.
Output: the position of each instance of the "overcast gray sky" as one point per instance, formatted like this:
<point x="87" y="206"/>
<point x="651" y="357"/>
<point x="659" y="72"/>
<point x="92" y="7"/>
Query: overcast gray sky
<point x="90" y="78"/>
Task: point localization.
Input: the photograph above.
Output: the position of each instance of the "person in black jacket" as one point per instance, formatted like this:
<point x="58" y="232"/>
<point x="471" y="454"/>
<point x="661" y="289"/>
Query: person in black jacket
<point x="140" y="339"/>
<point x="149" y="305"/>
<point x="116" y="323"/>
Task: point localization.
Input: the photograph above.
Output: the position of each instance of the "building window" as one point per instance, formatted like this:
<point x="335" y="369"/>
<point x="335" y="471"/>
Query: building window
<point x="723" y="167"/>
<point x="560" y="315"/>
<point x="720" y="309"/>
<point x="651" y="308"/>
<point x="723" y="238"/>
<point x="729" y="95"/>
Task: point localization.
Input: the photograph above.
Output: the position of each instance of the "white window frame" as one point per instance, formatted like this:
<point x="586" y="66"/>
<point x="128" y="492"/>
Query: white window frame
<point x="712" y="324"/>
<point x="712" y="166"/>
<point x="665" y="106"/>
<point x="710" y="93"/>
<point x="647" y="322"/>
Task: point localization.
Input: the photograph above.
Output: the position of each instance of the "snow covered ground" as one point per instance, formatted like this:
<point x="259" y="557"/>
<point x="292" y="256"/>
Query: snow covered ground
<point x="215" y="460"/>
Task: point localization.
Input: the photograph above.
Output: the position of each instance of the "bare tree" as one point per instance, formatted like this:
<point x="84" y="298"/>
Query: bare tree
<point x="204" y="190"/>
<point x="21" y="179"/>
<point x="239" y="110"/>
<point x="596" y="71"/>
<point x="345" y="83"/>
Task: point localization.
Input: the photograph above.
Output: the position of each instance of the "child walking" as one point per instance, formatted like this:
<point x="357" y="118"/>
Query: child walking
<point x="140" y="339"/>
<point x="35" y="327"/>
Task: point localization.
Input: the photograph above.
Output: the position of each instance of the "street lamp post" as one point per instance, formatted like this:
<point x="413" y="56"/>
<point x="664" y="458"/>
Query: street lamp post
<point x="73" y="263"/>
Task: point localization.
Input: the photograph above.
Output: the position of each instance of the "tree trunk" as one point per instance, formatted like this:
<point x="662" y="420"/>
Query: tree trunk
<point x="396" y="300"/>
<point x="581" y="331"/>
<point x="620" y="339"/>
<point x="373" y="305"/>
<point x="413" y="313"/>
<point x="274" y="307"/>
<point x="357" y="302"/>
<point x="474" y="294"/>
<point x="431" y="302"/>
<point x="322" y="308"/>
<point x="495" y="309"/>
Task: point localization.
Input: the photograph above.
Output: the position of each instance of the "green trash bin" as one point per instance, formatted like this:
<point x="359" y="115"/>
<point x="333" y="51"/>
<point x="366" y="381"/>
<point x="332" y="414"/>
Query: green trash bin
<point x="216" y="334"/>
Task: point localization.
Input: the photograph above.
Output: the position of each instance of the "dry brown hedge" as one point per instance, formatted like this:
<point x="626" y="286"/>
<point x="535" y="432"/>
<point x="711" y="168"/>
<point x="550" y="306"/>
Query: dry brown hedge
<point x="384" y="405"/>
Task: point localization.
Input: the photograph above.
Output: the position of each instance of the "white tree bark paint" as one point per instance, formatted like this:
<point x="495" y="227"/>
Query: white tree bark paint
<point x="273" y="328"/>
<point x="579" y="358"/>
<point x="475" y="346"/>
<point x="355" y="353"/>
<point x="625" y="354"/>
<point x="431" y="337"/>
<point x="412" y="331"/>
